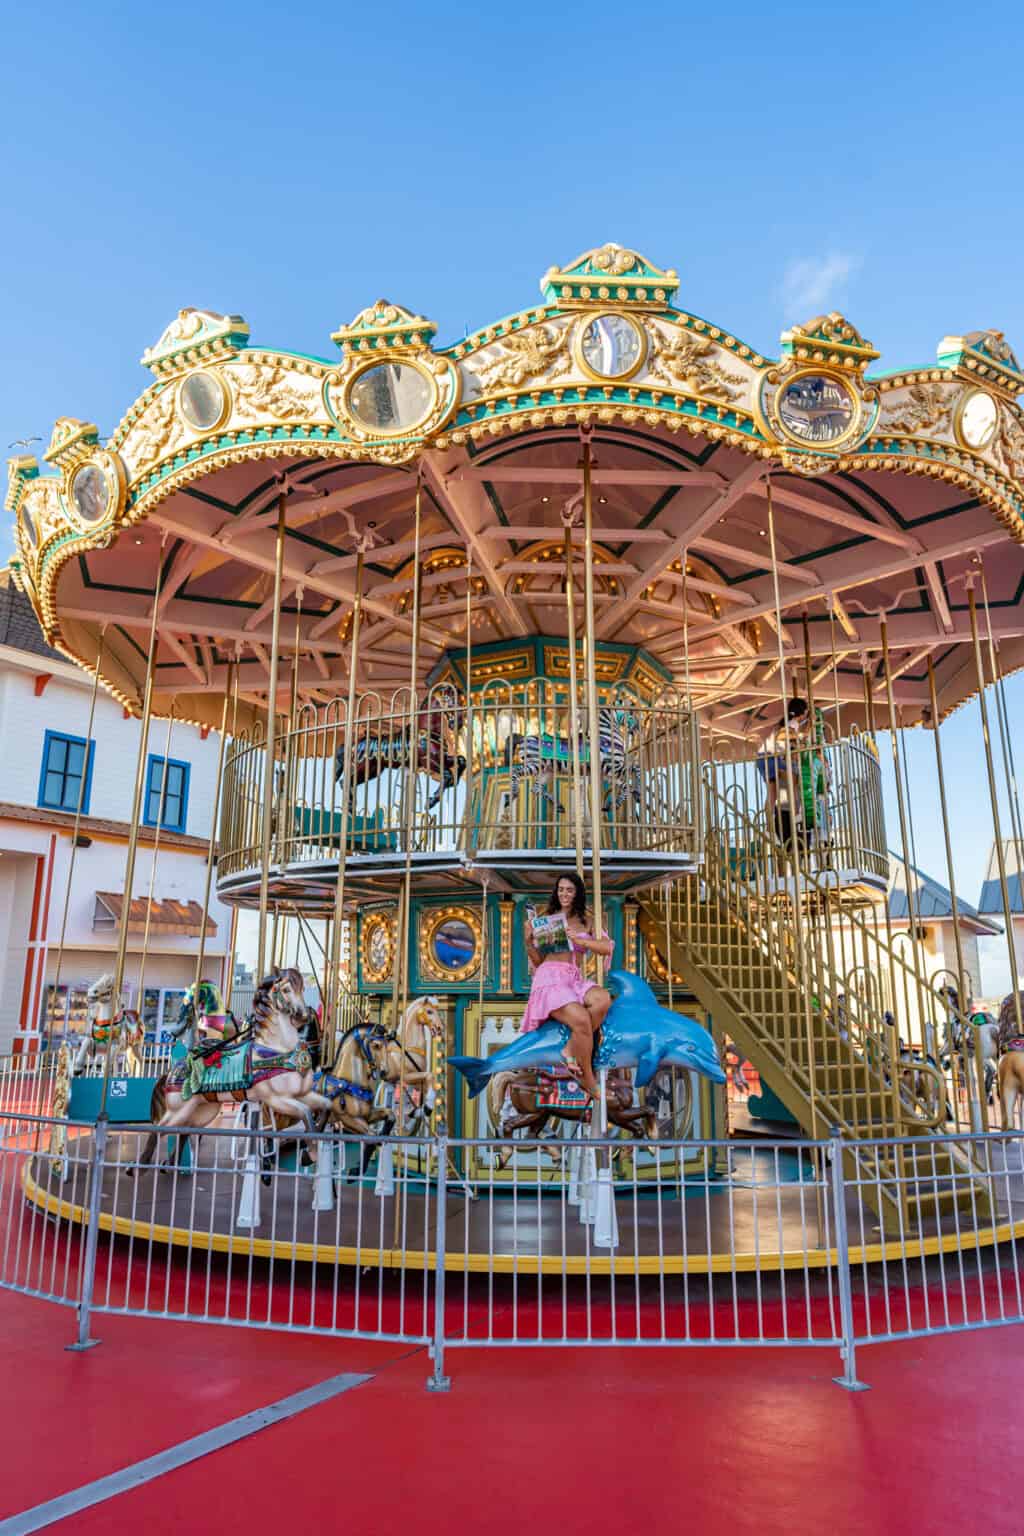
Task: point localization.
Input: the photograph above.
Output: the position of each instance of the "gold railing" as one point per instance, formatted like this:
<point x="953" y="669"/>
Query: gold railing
<point x="838" y="786"/>
<point x="447" y="775"/>
<point x="854" y="1021"/>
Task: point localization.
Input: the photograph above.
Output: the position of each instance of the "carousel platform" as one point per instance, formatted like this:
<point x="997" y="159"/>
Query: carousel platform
<point x="766" y="1209"/>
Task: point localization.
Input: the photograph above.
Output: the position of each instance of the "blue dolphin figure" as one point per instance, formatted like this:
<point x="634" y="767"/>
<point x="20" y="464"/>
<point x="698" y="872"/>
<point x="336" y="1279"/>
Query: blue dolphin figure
<point x="638" y="1032"/>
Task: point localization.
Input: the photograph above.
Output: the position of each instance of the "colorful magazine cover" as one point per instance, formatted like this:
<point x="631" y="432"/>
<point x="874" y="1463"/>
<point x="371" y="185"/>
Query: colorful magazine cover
<point x="550" y="935"/>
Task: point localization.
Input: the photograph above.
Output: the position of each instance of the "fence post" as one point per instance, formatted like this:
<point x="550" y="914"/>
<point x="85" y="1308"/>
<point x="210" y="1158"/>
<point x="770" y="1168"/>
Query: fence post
<point x="847" y="1349"/>
<point x="99" y="1157"/>
<point x="438" y="1381"/>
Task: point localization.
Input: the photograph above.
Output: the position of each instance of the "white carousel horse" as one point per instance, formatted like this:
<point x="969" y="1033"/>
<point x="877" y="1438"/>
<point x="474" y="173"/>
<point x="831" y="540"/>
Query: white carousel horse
<point x="269" y="1064"/>
<point x="107" y="1025"/>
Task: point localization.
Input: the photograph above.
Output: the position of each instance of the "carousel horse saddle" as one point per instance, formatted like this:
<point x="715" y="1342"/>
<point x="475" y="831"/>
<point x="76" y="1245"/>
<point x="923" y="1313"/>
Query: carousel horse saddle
<point x="230" y="1071"/>
<point x="1016" y="1044"/>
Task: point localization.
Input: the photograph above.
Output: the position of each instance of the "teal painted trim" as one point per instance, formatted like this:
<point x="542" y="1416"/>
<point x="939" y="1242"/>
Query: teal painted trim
<point x="638" y="398"/>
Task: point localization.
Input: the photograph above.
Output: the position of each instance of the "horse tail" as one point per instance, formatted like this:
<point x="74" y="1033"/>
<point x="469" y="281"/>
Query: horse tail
<point x="497" y="1088"/>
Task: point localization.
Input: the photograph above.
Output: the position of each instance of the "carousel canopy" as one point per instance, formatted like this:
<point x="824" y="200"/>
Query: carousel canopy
<point x="887" y="493"/>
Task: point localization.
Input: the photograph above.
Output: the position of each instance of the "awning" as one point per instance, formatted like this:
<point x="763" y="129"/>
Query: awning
<point x="168" y="916"/>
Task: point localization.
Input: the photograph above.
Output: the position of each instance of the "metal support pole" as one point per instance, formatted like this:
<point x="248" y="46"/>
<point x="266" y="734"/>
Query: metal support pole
<point x="212" y="845"/>
<point x="994" y="798"/>
<point x="332" y="1003"/>
<point x="848" y="1347"/>
<point x="99" y="1157"/>
<point x="590" y="678"/>
<point x="270" y="745"/>
<point x="574" y="697"/>
<point x="438" y="1381"/>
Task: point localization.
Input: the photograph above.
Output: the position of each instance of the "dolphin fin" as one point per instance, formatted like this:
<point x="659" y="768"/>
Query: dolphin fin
<point x="648" y="1064"/>
<point x="474" y="1070"/>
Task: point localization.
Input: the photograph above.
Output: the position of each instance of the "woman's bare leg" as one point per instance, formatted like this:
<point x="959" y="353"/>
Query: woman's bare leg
<point x="597" y="1003"/>
<point x="580" y="1047"/>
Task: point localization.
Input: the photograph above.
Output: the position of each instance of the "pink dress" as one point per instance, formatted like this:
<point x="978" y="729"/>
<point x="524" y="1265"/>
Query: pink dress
<point x="555" y="983"/>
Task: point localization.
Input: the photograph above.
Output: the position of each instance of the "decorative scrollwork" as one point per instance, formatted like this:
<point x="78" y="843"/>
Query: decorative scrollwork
<point x="927" y="408"/>
<point x="688" y="362"/>
<point x="268" y="390"/>
<point x="525" y="355"/>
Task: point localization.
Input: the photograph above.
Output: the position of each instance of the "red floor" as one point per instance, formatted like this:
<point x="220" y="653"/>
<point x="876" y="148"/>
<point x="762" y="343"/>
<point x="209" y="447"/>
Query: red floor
<point x="707" y="1440"/>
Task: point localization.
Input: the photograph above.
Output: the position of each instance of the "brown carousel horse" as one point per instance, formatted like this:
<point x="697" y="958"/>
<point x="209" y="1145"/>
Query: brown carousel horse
<point x="535" y="1099"/>
<point x="431" y="747"/>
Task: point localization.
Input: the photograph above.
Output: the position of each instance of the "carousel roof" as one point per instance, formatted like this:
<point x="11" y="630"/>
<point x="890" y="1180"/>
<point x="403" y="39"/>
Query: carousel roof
<point x="890" y="494"/>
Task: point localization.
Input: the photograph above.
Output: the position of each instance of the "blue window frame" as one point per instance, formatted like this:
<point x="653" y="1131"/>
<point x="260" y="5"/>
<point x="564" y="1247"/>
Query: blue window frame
<point x="65" y="762"/>
<point x="166" y="793"/>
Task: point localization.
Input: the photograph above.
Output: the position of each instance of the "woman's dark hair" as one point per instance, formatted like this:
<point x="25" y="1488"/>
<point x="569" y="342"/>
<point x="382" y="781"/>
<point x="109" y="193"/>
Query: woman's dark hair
<point x="795" y="708"/>
<point x="579" y="901"/>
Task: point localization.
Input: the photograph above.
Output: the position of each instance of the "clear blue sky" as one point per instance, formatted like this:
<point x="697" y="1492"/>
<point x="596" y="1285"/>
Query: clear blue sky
<point x="294" y="162"/>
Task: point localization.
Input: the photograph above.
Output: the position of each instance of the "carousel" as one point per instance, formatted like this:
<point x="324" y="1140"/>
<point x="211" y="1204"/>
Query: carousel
<point x="538" y="603"/>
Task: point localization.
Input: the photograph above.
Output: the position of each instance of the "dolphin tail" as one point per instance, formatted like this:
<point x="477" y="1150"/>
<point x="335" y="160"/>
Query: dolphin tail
<point x="475" y="1070"/>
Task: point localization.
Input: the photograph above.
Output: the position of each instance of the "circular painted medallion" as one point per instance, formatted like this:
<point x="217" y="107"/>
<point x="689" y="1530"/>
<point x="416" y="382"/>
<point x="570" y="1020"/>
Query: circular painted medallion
<point x="454" y="944"/>
<point x="91" y="493"/>
<point x="391" y="397"/>
<point x="202" y="400"/>
<point x="611" y="346"/>
<point x="977" y="419"/>
<point x="816" y="408"/>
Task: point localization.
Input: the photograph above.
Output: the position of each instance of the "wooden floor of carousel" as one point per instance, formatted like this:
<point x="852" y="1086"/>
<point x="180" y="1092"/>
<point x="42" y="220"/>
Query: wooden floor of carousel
<point x="761" y="1208"/>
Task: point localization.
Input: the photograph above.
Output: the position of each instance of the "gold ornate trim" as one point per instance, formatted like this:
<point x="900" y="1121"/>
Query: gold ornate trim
<point x="377" y="971"/>
<point x="430" y="921"/>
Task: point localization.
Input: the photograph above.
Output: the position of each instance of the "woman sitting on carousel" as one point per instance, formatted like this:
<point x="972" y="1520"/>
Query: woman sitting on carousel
<point x="558" y="990"/>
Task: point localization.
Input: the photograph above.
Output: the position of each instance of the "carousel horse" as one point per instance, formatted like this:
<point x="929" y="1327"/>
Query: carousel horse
<point x="109" y="1026"/>
<point x="421" y="1024"/>
<point x="431" y="748"/>
<point x="637" y="1032"/>
<point x="267" y="1064"/>
<point x="203" y="1017"/>
<point x="961" y="1034"/>
<point x="545" y="757"/>
<point x="366" y="1054"/>
<point x="534" y="1098"/>
<point x="1010" y="1074"/>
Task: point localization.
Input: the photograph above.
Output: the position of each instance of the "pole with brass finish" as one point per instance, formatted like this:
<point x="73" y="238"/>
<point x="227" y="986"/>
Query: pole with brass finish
<point x="574" y="704"/>
<point x="994" y="798"/>
<point x="211" y="846"/>
<point x="961" y="971"/>
<point x="411" y="776"/>
<point x="1005" y="737"/>
<point x="471" y="827"/>
<point x="271" y="743"/>
<point x="55" y="992"/>
<point x="332" y="1007"/>
<point x="590" y="680"/>
<point x="801" y="967"/>
<point x="133" y="830"/>
<point x="161" y="799"/>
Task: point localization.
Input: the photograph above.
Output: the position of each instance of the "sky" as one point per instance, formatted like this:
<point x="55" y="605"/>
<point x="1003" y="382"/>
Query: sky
<point x="294" y="163"/>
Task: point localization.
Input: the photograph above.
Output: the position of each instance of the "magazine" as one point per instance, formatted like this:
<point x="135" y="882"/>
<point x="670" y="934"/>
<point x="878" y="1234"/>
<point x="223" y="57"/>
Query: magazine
<point x="550" y="935"/>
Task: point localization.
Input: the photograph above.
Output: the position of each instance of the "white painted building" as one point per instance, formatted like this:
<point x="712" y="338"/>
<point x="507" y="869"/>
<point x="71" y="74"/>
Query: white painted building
<point x="44" y="716"/>
<point x="991" y="903"/>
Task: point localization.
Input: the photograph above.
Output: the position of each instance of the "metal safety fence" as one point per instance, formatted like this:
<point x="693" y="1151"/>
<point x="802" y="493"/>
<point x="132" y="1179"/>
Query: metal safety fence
<point x="452" y="1243"/>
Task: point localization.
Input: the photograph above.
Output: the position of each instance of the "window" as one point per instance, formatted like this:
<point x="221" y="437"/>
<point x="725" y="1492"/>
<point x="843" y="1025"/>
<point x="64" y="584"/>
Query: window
<point x="166" y="794"/>
<point x="65" y="763"/>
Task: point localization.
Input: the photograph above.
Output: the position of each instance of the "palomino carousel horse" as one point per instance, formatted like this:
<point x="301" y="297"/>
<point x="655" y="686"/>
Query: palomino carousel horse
<point x="421" y="1025"/>
<point x="366" y="1054"/>
<point x="109" y="1026"/>
<point x="1011" y="1064"/>
<point x="431" y="747"/>
<point x="203" y="1017"/>
<point x="537" y="1097"/>
<point x="267" y="1064"/>
<point x="637" y="1032"/>
<point x="545" y="757"/>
